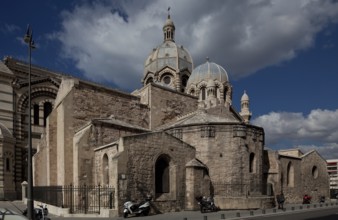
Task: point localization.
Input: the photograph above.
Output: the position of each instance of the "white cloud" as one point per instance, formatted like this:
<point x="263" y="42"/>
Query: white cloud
<point x="8" y="28"/>
<point x="297" y="130"/>
<point x="242" y="36"/>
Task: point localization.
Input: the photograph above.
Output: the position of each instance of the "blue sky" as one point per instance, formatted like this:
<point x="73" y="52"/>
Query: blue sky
<point x="284" y="53"/>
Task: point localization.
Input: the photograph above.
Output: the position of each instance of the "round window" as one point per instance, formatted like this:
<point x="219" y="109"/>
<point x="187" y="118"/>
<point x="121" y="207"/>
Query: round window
<point x="315" y="172"/>
<point x="167" y="80"/>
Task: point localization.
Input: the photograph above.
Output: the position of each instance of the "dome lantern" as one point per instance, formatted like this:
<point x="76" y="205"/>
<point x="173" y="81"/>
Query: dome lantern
<point x="169" y="29"/>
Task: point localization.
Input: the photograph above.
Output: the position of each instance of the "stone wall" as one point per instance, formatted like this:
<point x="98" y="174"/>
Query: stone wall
<point x="166" y="104"/>
<point x="92" y="102"/>
<point x="142" y="152"/>
<point x="6" y="102"/>
<point x="315" y="178"/>
<point x="87" y="163"/>
<point x="227" y="155"/>
<point x="271" y="171"/>
<point x="40" y="157"/>
<point x="78" y="103"/>
<point x="291" y="180"/>
<point x="52" y="157"/>
<point x="7" y="165"/>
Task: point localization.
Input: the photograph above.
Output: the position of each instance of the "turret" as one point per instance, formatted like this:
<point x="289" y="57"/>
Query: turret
<point x="245" y="111"/>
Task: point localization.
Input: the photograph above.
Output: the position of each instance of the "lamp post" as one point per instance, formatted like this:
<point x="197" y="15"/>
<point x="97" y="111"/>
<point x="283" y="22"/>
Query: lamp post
<point x="30" y="201"/>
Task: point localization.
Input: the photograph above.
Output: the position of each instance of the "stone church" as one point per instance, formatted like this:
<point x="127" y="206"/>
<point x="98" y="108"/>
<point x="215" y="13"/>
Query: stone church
<point x="175" y="138"/>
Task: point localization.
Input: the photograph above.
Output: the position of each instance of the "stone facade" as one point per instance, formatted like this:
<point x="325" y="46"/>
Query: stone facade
<point x="162" y="140"/>
<point x="14" y="111"/>
<point x="296" y="174"/>
<point x="134" y="179"/>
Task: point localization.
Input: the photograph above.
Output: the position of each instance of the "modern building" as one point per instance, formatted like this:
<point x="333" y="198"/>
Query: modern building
<point x="332" y="168"/>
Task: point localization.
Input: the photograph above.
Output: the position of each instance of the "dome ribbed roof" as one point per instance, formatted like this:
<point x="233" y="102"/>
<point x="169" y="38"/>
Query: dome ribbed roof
<point x="168" y="54"/>
<point x="208" y="71"/>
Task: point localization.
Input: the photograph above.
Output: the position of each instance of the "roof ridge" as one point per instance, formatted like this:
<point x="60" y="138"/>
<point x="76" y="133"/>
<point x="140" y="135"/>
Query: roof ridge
<point x="186" y="115"/>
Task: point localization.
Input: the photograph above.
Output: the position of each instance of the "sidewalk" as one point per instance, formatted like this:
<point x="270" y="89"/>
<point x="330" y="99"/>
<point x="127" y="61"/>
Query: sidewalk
<point x="18" y="206"/>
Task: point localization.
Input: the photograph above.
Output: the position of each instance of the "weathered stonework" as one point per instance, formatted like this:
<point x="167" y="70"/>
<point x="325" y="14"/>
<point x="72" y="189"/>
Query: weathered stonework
<point x="176" y="138"/>
<point x="296" y="174"/>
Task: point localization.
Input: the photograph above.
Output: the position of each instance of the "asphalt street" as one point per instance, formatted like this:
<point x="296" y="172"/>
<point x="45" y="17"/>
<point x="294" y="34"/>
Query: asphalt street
<point x="327" y="211"/>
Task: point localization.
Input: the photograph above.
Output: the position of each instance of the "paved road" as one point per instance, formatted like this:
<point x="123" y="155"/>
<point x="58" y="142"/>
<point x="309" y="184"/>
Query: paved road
<point x="330" y="213"/>
<point x="292" y="212"/>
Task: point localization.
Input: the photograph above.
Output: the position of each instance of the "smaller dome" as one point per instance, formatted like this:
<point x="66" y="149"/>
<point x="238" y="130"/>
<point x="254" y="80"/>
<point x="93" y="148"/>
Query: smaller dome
<point x="245" y="97"/>
<point x="208" y="71"/>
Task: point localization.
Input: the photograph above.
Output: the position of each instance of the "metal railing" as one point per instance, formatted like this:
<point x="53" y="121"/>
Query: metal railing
<point x="79" y="199"/>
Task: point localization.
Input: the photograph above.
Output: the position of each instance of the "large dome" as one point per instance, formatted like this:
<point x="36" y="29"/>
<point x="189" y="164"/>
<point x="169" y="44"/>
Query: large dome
<point x="168" y="54"/>
<point x="206" y="72"/>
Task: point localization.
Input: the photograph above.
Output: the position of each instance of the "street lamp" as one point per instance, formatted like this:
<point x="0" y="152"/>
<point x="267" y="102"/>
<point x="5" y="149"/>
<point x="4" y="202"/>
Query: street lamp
<point x="30" y="201"/>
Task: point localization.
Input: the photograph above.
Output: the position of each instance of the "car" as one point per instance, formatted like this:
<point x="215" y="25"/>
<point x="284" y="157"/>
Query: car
<point x="8" y="214"/>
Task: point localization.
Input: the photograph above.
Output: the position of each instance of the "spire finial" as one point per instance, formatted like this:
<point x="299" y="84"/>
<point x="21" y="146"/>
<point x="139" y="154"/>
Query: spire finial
<point x="169" y="12"/>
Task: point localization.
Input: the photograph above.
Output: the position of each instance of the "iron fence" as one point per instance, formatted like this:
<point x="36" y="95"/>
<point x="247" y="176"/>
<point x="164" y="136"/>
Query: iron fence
<point x="79" y="199"/>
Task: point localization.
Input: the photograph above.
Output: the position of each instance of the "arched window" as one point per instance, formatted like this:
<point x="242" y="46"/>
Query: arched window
<point x="290" y="175"/>
<point x="225" y="94"/>
<point x="47" y="109"/>
<point x="315" y="172"/>
<point x="184" y="80"/>
<point x="105" y="170"/>
<point x="203" y="93"/>
<point x="8" y="165"/>
<point x="252" y="163"/>
<point x="36" y="114"/>
<point x="162" y="179"/>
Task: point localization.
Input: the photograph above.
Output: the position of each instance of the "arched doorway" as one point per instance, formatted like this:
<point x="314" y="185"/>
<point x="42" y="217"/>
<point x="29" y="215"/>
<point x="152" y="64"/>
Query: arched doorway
<point x="162" y="175"/>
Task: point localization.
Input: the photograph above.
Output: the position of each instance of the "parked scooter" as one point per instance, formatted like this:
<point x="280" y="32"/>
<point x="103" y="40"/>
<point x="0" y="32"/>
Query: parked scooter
<point x="206" y="204"/>
<point x="306" y="199"/>
<point x="40" y="212"/>
<point x="132" y="208"/>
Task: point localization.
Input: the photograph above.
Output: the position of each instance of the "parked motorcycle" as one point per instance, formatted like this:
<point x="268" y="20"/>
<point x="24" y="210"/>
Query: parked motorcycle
<point x="40" y="212"/>
<point x="206" y="204"/>
<point x="132" y="208"/>
<point x="306" y="199"/>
